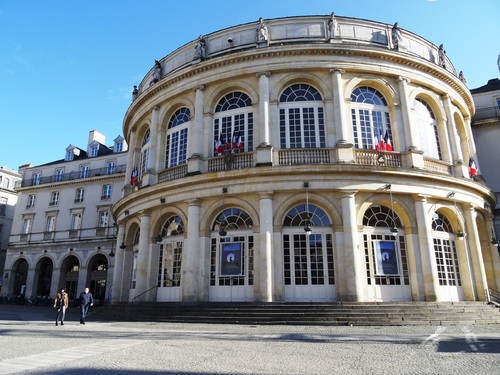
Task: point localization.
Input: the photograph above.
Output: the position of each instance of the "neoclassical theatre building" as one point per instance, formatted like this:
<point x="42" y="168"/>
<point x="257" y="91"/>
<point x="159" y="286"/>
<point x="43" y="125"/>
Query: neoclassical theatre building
<point x="314" y="158"/>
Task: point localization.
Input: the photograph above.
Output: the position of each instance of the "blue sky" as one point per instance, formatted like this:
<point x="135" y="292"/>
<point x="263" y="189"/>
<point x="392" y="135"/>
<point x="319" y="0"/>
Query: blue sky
<point x="67" y="67"/>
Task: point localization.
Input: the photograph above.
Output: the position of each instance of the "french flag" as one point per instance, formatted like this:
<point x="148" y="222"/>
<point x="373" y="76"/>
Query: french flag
<point x="382" y="142"/>
<point x="134" y="175"/>
<point x="218" y="146"/>
<point x="387" y="141"/>
<point x="472" y="167"/>
<point x="376" y="145"/>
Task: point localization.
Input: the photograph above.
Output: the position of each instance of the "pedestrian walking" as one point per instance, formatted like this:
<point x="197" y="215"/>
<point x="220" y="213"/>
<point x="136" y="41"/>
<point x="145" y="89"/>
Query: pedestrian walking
<point x="86" y="300"/>
<point x="61" y="304"/>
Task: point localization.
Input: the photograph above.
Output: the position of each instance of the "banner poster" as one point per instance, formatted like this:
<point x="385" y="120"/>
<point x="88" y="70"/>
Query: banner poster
<point x="230" y="259"/>
<point x="386" y="259"/>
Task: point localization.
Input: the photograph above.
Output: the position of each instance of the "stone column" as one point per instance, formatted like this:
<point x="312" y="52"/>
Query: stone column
<point x="195" y="141"/>
<point x="142" y="281"/>
<point x="264" y="149"/>
<point x="338" y="107"/>
<point x="476" y="255"/>
<point x="461" y="170"/>
<point x="493" y="279"/>
<point x="118" y="287"/>
<point x="414" y="157"/>
<point x="191" y="254"/>
<point x="344" y="145"/>
<point x="425" y="243"/>
<point x="127" y="189"/>
<point x="264" y="263"/>
<point x="149" y="177"/>
<point x="351" y="277"/>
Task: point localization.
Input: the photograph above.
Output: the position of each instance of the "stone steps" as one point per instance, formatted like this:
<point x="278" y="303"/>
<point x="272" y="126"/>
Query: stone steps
<point x="336" y="313"/>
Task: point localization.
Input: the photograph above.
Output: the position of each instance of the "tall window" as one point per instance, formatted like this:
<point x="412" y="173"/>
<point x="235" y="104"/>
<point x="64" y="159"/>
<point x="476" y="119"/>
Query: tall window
<point x="27" y="223"/>
<point x="59" y="175"/>
<point x="106" y="192"/>
<point x="177" y="138"/>
<point x="54" y="198"/>
<point x="31" y="201"/>
<point x="110" y="167"/>
<point x="5" y="182"/>
<point x="84" y="171"/>
<point x="76" y="220"/>
<point x="233" y="124"/>
<point x="3" y="206"/>
<point x="370" y="118"/>
<point x="307" y="258"/>
<point x="145" y="152"/>
<point x="36" y="178"/>
<point x="426" y="124"/>
<point x="103" y="219"/>
<point x="170" y="257"/>
<point x="445" y="251"/>
<point x="50" y="225"/>
<point x="385" y="252"/>
<point x="302" y="123"/>
<point x="80" y="194"/>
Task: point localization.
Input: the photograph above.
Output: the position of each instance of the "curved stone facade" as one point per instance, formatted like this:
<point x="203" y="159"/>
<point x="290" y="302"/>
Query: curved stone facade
<point x="315" y="158"/>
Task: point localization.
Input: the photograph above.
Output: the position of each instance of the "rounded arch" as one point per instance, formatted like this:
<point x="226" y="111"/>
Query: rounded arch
<point x="334" y="216"/>
<point x="451" y="214"/>
<point x="131" y="233"/>
<point x="216" y="208"/>
<point x="381" y="85"/>
<point x="166" y="112"/>
<point x="432" y="100"/>
<point x="293" y="79"/>
<point x="398" y="206"/>
<point x="213" y="99"/>
<point x="159" y="222"/>
<point x="19" y="274"/>
<point x="44" y="268"/>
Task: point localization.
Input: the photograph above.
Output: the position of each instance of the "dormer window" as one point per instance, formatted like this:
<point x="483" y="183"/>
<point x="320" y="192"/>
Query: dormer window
<point x="94" y="150"/>
<point x="71" y="152"/>
<point x="119" y="145"/>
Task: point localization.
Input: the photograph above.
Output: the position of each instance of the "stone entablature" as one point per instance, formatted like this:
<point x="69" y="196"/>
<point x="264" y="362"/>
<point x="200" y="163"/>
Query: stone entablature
<point x="293" y="30"/>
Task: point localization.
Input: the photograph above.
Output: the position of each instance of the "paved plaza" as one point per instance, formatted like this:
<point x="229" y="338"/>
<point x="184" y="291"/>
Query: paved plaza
<point x="30" y="343"/>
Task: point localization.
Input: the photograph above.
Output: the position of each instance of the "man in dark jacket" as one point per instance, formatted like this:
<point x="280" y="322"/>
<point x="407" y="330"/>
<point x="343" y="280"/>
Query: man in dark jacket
<point x="85" y="301"/>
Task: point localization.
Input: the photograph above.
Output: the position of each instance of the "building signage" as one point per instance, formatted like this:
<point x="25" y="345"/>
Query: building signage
<point x="386" y="261"/>
<point x="231" y="259"/>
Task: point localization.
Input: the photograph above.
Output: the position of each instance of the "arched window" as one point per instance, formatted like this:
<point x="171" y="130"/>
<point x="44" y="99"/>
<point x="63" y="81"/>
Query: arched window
<point x="308" y="258"/>
<point x="145" y="152"/>
<point x="445" y="251"/>
<point x="302" y="123"/>
<point x="426" y="124"/>
<point x="381" y="216"/>
<point x="177" y="138"/>
<point x="170" y="256"/>
<point x="385" y="251"/>
<point x="370" y="119"/>
<point x="233" y="124"/>
<point x="239" y="240"/>
<point x="232" y="218"/>
<point x="300" y="216"/>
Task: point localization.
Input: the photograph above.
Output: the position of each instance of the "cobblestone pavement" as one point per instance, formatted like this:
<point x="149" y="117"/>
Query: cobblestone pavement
<point x="30" y="343"/>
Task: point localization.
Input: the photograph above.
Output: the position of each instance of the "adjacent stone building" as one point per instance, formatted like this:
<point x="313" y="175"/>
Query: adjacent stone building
<point x="8" y="199"/>
<point x="486" y="130"/>
<point x="63" y="233"/>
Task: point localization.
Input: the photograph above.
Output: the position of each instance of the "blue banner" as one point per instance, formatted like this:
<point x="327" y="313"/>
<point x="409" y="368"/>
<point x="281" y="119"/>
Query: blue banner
<point x="230" y="259"/>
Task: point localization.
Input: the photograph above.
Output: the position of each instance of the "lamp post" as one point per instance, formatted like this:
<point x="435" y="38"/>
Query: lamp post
<point x="222" y="229"/>
<point x="307" y="228"/>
